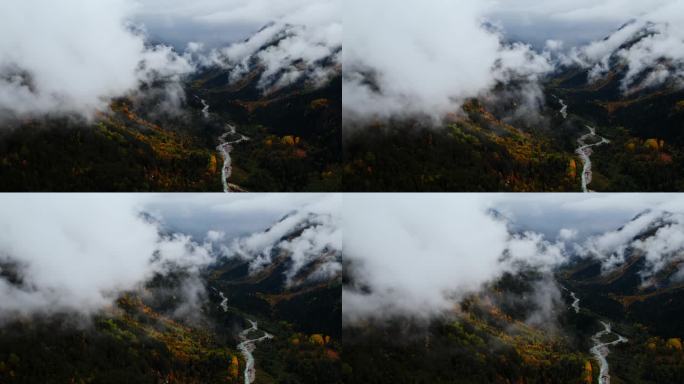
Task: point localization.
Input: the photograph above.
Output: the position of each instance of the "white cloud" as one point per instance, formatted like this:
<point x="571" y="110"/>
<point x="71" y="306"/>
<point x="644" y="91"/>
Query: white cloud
<point x="420" y="254"/>
<point x="73" y="57"/>
<point x="310" y="235"/>
<point x="424" y="57"/>
<point x="301" y="35"/>
<point x="77" y="253"/>
<point x="659" y="53"/>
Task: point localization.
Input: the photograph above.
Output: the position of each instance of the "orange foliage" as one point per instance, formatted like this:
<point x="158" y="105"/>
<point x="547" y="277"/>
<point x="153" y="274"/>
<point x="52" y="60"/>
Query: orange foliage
<point x="234" y="368"/>
<point x="213" y="164"/>
<point x="319" y="104"/>
<point x="572" y="169"/>
<point x="652" y="144"/>
<point x="588" y="372"/>
<point x="674" y="343"/>
<point x="317" y="339"/>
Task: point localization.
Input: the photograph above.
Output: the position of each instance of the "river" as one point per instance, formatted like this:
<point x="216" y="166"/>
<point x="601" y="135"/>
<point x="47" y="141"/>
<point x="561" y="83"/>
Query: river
<point x="226" y="142"/>
<point x="600" y="351"/>
<point x="247" y="347"/>
<point x="564" y="107"/>
<point x="225" y="147"/>
<point x="205" y="107"/>
<point x="585" y="151"/>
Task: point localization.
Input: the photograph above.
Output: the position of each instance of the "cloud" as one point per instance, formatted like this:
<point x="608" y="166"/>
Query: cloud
<point x="661" y="249"/>
<point x="78" y="253"/>
<point x="656" y="58"/>
<point x="424" y="57"/>
<point x="300" y="40"/>
<point x="418" y="255"/>
<point x="309" y="236"/>
<point x="73" y="57"/>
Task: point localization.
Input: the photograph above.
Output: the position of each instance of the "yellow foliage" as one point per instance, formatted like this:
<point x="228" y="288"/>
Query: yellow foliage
<point x="675" y="344"/>
<point x="234" y="368"/>
<point x="651" y="346"/>
<point x="317" y="339"/>
<point x="289" y="140"/>
<point x="588" y="372"/>
<point x="631" y="147"/>
<point x="213" y="164"/>
<point x="652" y="144"/>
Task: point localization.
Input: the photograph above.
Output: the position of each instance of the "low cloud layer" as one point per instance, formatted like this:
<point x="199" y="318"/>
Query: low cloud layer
<point x="425" y="57"/>
<point x="301" y="41"/>
<point x="311" y="238"/>
<point x="663" y="248"/>
<point x="78" y="253"/>
<point x="650" y="45"/>
<point x="71" y="254"/>
<point x="419" y="255"/>
<point x="75" y="56"/>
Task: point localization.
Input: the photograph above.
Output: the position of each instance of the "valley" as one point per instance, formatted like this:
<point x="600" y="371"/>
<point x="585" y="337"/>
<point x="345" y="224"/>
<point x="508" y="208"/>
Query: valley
<point x="289" y="140"/>
<point x="226" y="322"/>
<point x="572" y="129"/>
<point x="568" y="308"/>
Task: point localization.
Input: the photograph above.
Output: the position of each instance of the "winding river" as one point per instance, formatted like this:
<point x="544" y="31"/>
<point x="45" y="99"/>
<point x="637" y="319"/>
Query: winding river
<point x="247" y="347"/>
<point x="205" y="107"/>
<point x="600" y="351"/>
<point x="575" y="302"/>
<point x="585" y="151"/>
<point x="226" y="143"/>
<point x="564" y="107"/>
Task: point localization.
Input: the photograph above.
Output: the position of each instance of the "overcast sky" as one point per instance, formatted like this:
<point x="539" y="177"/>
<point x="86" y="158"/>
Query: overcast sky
<point x="219" y="22"/>
<point x="573" y="21"/>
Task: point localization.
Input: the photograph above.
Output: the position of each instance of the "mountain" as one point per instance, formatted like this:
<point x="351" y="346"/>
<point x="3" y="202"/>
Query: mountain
<point x="164" y="137"/>
<point x="572" y="324"/>
<point x="475" y="150"/>
<point x="295" y="130"/>
<point x="626" y="293"/>
<point x="488" y="339"/>
<point x="503" y="142"/>
<point x="642" y="120"/>
<point x="642" y="308"/>
<point x="170" y="332"/>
